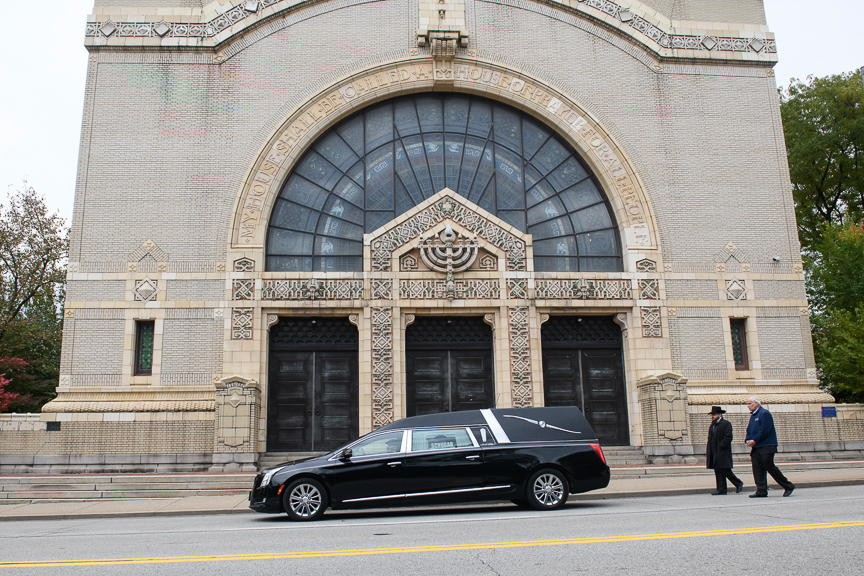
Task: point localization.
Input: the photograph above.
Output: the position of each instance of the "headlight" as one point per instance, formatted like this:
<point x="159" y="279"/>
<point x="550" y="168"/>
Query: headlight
<point x="268" y="475"/>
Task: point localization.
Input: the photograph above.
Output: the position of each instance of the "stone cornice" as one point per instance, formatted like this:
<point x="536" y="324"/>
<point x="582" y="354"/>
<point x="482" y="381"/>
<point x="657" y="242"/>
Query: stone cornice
<point x="210" y="27"/>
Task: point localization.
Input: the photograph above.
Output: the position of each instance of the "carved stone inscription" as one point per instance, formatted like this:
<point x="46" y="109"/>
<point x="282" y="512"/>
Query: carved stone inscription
<point x="411" y="75"/>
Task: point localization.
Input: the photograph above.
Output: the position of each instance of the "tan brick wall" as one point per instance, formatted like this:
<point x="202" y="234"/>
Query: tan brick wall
<point x="112" y="438"/>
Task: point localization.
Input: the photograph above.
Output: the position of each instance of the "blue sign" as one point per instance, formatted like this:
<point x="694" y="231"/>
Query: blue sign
<point x="829" y="412"/>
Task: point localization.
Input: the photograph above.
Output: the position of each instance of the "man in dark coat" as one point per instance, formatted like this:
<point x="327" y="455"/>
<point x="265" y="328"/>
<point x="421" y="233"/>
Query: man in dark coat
<point x="762" y="439"/>
<point x="719" y="452"/>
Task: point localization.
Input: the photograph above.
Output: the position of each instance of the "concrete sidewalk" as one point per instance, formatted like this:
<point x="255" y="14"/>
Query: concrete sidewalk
<point x="637" y="481"/>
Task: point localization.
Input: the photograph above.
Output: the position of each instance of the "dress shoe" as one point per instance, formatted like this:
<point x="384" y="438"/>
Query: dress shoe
<point x="789" y="491"/>
<point x="718" y="493"/>
<point x="739" y="488"/>
<point x="757" y="495"/>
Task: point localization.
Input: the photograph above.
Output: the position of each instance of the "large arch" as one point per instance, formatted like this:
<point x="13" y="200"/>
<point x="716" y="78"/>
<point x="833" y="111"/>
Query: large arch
<point x="323" y="110"/>
<point x="391" y="156"/>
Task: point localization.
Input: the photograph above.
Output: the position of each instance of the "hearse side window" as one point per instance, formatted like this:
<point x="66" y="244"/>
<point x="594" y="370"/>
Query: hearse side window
<point x="440" y="439"/>
<point x="483" y="435"/>
<point x="387" y="443"/>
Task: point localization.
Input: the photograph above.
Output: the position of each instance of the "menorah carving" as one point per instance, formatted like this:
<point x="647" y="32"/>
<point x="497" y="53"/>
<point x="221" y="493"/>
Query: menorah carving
<point x="449" y="253"/>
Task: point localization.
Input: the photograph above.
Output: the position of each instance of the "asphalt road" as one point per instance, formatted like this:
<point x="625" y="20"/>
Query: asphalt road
<point x="815" y="531"/>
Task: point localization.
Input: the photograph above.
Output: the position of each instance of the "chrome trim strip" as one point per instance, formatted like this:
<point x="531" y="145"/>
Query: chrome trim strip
<point x="375" y="498"/>
<point x="495" y="426"/>
<point x="458" y="491"/>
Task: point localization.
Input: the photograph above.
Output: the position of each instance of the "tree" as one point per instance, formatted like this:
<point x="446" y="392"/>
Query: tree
<point x="835" y="283"/>
<point x="33" y="251"/>
<point x="823" y="120"/>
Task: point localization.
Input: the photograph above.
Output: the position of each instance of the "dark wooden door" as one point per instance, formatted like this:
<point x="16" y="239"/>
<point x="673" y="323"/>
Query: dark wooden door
<point x="593" y="380"/>
<point x="448" y="381"/>
<point x="582" y="366"/>
<point x="604" y="396"/>
<point x="313" y="400"/>
<point x="448" y="365"/>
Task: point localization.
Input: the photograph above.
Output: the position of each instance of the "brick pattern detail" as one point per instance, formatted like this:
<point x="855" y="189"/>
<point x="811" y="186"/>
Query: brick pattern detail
<point x="241" y="323"/>
<point x="520" y="357"/>
<point x="95" y="291"/>
<point x="312" y="289"/>
<point x="243" y="289"/>
<point x="651" y="322"/>
<point x="691" y="290"/>
<point x="464" y="289"/>
<point x="649" y="290"/>
<point x="584" y="289"/>
<point x="382" y="289"/>
<point x="382" y="366"/>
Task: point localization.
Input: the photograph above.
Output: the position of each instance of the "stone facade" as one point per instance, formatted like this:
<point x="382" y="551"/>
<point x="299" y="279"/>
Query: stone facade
<point x="193" y="121"/>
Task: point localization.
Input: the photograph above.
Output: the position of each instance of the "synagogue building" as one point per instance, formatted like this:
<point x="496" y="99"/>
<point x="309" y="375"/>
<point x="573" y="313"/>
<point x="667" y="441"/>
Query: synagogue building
<point x="296" y="221"/>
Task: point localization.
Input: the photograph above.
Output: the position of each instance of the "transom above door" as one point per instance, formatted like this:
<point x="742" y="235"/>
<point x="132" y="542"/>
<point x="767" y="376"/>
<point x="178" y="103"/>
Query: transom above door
<point x="448" y="365"/>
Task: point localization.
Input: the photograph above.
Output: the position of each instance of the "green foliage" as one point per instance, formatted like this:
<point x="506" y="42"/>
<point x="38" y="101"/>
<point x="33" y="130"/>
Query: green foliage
<point x="836" y="288"/>
<point x="838" y="340"/>
<point x="33" y="250"/>
<point x="823" y="120"/>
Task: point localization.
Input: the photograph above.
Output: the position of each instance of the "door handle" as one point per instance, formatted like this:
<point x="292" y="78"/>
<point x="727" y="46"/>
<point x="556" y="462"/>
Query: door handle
<point x="392" y="464"/>
<point x="471" y="457"/>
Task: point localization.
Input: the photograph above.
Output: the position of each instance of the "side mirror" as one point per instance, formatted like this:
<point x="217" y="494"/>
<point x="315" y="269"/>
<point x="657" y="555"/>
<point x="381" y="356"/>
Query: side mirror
<point x="347" y="453"/>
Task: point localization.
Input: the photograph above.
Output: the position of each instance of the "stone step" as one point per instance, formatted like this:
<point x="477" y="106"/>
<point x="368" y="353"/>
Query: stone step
<point x="700" y="470"/>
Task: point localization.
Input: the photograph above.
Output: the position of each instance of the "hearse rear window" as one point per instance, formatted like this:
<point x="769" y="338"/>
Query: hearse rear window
<point x="440" y="439"/>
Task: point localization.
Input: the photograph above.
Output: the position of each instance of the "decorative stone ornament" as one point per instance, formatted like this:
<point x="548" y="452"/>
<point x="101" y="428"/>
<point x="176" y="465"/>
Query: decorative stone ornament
<point x="449" y="253"/>
<point x="663" y="400"/>
<point x="238" y="405"/>
<point x="146" y="290"/>
<point x="736" y="290"/>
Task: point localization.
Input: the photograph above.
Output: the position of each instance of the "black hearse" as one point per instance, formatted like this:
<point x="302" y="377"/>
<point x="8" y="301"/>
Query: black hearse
<point x="532" y="456"/>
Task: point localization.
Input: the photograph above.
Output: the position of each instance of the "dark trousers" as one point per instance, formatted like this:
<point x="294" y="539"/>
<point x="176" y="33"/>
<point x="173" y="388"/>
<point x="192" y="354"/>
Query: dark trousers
<point x="721" y="474"/>
<point x="763" y="464"/>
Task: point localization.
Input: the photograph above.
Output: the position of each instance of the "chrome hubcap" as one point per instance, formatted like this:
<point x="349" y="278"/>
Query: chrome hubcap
<point x="548" y="489"/>
<point x="305" y="500"/>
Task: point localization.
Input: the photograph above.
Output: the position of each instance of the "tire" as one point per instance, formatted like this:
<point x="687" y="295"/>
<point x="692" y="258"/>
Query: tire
<point x="305" y="500"/>
<point x="547" y="490"/>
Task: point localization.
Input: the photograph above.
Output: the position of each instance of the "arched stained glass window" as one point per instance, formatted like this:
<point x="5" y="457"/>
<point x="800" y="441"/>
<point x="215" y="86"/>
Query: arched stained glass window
<point x="390" y="157"/>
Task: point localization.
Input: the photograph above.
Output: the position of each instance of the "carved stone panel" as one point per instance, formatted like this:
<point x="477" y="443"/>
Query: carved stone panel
<point x="520" y="357"/>
<point x="382" y="366"/>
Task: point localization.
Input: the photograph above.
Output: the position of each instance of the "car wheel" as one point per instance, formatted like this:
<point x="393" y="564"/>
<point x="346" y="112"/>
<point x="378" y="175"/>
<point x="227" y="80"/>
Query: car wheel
<point x="547" y="490"/>
<point x="305" y="499"/>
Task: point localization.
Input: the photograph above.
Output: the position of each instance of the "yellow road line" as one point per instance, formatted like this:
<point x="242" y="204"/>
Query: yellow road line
<point x="433" y="548"/>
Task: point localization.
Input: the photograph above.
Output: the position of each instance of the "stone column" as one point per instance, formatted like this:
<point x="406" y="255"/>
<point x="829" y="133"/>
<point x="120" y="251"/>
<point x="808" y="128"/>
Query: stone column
<point x="663" y="399"/>
<point x="238" y="404"/>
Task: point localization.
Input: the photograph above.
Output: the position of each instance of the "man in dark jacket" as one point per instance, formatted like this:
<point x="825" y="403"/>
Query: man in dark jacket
<point x="719" y="452"/>
<point x="762" y="439"/>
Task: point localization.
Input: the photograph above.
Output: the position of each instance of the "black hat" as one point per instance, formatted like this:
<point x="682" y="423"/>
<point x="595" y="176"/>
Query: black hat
<point x="717" y="410"/>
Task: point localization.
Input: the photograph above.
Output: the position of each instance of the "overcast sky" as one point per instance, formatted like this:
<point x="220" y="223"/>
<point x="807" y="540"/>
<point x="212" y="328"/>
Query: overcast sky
<point x="42" y="79"/>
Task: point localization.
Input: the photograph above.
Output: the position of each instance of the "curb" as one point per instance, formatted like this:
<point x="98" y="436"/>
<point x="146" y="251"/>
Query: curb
<point x="573" y="497"/>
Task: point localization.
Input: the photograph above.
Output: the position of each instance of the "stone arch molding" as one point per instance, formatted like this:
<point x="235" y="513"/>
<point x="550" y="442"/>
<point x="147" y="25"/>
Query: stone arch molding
<point x="276" y="158"/>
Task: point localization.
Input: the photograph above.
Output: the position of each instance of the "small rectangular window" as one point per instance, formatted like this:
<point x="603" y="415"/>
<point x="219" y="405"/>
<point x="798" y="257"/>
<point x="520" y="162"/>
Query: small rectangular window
<point x="144" y="330"/>
<point x="739" y="343"/>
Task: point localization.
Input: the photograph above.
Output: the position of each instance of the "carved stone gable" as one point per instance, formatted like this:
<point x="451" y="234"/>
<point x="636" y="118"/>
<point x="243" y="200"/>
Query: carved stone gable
<point x="433" y="215"/>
